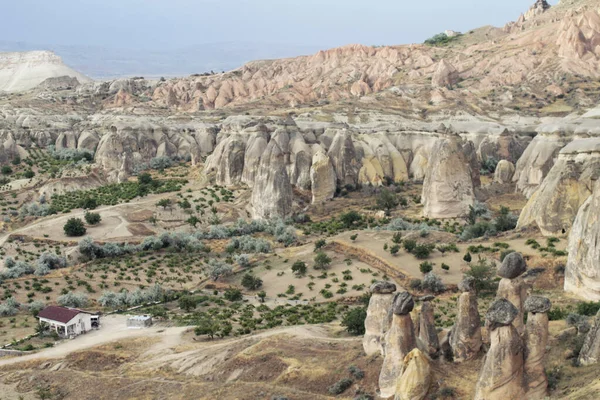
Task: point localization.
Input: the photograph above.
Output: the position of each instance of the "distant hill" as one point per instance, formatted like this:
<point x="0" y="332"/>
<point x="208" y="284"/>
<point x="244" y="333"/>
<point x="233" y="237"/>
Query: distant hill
<point x="107" y="63"/>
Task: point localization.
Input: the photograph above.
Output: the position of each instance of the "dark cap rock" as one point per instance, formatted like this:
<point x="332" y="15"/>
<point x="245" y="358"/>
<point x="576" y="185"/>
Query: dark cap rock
<point x="467" y="284"/>
<point x="403" y="303"/>
<point x="427" y="297"/>
<point x="537" y="304"/>
<point x="383" y="287"/>
<point x="512" y="266"/>
<point x="501" y="313"/>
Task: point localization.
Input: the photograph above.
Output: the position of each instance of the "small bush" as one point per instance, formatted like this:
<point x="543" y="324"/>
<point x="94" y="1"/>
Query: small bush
<point x="433" y="283"/>
<point x="356" y="372"/>
<point x="322" y="261"/>
<point x="340" y="386"/>
<point x="74" y="227"/>
<point x="425" y="267"/>
<point x="92" y="218"/>
<point x="415" y="284"/>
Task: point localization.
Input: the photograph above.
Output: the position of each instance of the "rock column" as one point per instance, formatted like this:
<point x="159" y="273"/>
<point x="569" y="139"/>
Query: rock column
<point x="379" y="317"/>
<point x="399" y="341"/>
<point x="536" y="339"/>
<point x="416" y="377"/>
<point x="512" y="285"/>
<point x="501" y="377"/>
<point x="590" y="352"/>
<point x="465" y="337"/>
<point x="427" y="332"/>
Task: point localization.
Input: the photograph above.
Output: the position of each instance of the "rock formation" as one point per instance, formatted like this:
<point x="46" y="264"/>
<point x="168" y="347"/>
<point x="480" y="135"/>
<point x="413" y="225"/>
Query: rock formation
<point x="272" y="191"/>
<point x="582" y="272"/>
<point x="343" y="157"/>
<point x="504" y="173"/>
<point x="414" y="382"/>
<point x="448" y="187"/>
<point x="427" y="332"/>
<point x="445" y="75"/>
<point x="501" y="376"/>
<point x="568" y="184"/>
<point x="379" y="317"/>
<point x="512" y="286"/>
<point x="399" y="341"/>
<point x="465" y="336"/>
<point x="590" y="351"/>
<point x="322" y="177"/>
<point x="536" y="339"/>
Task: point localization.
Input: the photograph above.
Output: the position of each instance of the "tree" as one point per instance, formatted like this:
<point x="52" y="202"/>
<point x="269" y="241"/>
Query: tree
<point x="29" y="174"/>
<point x="164" y="203"/>
<point x="505" y="220"/>
<point x="6" y="170"/>
<point x="394" y="249"/>
<point x="425" y="267"/>
<point x="207" y="325"/>
<point x="16" y="160"/>
<point x="354" y="321"/>
<point x="397" y="238"/>
<point x="92" y="218"/>
<point x="322" y="261"/>
<point x="232" y="294"/>
<point x="251" y="282"/>
<point x="187" y="303"/>
<point x="299" y="268"/>
<point x="145" y="178"/>
<point x="193" y="221"/>
<point x="483" y="273"/>
<point x="354" y="237"/>
<point x="89" y="203"/>
<point x="468" y="257"/>
<point x="261" y="296"/>
<point x="74" y="227"/>
<point x="423" y="251"/>
<point x="445" y="267"/>
<point x="349" y="218"/>
<point x="319" y="244"/>
<point x="185" y="204"/>
<point x="409" y="245"/>
<point x="387" y="201"/>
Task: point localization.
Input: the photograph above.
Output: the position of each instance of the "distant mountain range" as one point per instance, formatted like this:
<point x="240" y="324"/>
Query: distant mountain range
<point x="106" y="63"/>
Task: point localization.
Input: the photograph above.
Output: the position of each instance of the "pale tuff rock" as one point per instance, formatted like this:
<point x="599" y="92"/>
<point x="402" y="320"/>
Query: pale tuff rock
<point x="580" y="37"/>
<point x="59" y="83"/>
<point x="536" y="162"/>
<point x="445" y="75"/>
<point x="590" y="351"/>
<point x="379" y="317"/>
<point x="465" y="337"/>
<point x="568" y="184"/>
<point x="582" y="272"/>
<point x="515" y="291"/>
<point x="26" y="70"/>
<point x="227" y="161"/>
<point x="504" y="173"/>
<point x="538" y="8"/>
<point x="343" y="158"/>
<point x="474" y="165"/>
<point x="301" y="159"/>
<point x="427" y="332"/>
<point x="414" y="382"/>
<point x="448" y="187"/>
<point x="9" y="148"/>
<point x="399" y="341"/>
<point x="380" y="160"/>
<point x="322" y="177"/>
<point x="272" y="192"/>
<point x="536" y="339"/>
<point x="501" y="376"/>
<point x="255" y="147"/>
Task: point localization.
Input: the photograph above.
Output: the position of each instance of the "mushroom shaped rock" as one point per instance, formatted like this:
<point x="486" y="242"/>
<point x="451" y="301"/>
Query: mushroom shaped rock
<point x="379" y="317"/>
<point x="536" y="339"/>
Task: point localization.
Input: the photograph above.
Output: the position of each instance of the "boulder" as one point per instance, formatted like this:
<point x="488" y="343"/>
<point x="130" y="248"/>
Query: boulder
<point x="467" y="284"/>
<point x="448" y="187"/>
<point x="536" y="340"/>
<point x="504" y="173"/>
<point x="272" y="192"/>
<point x="379" y="317"/>
<point x="403" y="303"/>
<point x="383" y="287"/>
<point x="416" y="377"/>
<point x="582" y="272"/>
<point x="501" y="313"/>
<point x="512" y="266"/>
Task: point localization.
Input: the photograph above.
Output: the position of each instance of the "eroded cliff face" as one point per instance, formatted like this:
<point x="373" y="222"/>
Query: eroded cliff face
<point x="569" y="183"/>
<point x="582" y="272"/>
<point x="448" y="189"/>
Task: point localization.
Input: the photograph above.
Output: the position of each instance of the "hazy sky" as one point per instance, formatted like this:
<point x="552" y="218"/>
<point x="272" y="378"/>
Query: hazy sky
<point x="172" y="24"/>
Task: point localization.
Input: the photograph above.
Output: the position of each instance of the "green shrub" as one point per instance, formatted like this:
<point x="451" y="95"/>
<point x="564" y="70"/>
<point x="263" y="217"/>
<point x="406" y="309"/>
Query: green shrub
<point x="233" y="295"/>
<point x="423" y="251"/>
<point x="299" y="268"/>
<point x="92" y="218"/>
<point x="425" y="267"/>
<point x="74" y="227"/>
<point x="251" y="282"/>
<point x="440" y="39"/>
<point x="322" y="261"/>
<point x="340" y="386"/>
<point x="588" y="308"/>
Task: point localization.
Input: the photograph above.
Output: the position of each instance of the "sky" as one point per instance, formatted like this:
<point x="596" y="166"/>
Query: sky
<point x="176" y="24"/>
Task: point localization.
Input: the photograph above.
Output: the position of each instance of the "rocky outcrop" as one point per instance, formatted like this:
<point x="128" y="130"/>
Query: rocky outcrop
<point x="538" y="8"/>
<point x="399" y="341"/>
<point x="414" y="382"/>
<point x="343" y="158"/>
<point x="512" y="286"/>
<point x="272" y="191"/>
<point x="445" y="75"/>
<point x="582" y="272"/>
<point x="537" y="160"/>
<point x="448" y="187"/>
<point x="322" y="177"/>
<point x="427" y="332"/>
<point x="379" y="317"/>
<point x="568" y="185"/>
<point x="590" y="351"/>
<point x="501" y="376"/>
<point x="536" y="339"/>
<point x="504" y="173"/>
<point x="465" y="336"/>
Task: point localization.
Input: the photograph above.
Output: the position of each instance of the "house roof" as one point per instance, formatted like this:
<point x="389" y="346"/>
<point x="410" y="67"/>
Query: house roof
<point x="59" y="314"/>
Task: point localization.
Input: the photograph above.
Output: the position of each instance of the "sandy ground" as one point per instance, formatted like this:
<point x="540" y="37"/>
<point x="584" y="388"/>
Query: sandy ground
<point x="113" y="327"/>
